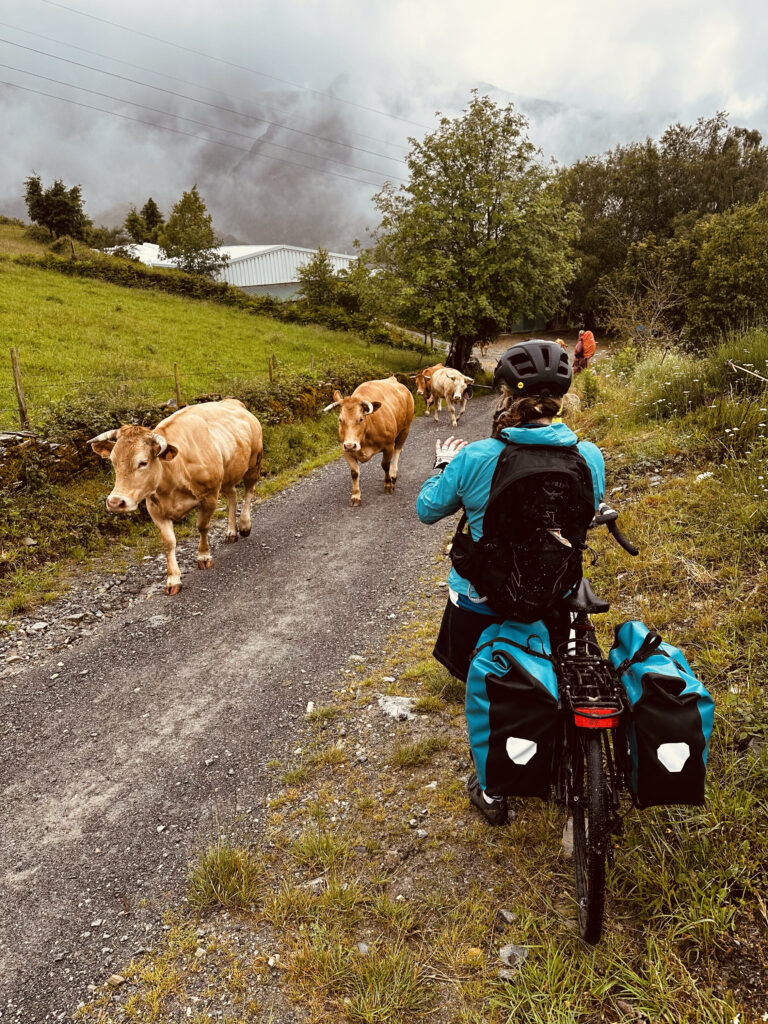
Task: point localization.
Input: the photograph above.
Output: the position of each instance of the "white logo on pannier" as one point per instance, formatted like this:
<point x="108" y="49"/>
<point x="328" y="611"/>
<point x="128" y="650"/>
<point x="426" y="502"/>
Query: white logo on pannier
<point x="519" y="750"/>
<point x="673" y="755"/>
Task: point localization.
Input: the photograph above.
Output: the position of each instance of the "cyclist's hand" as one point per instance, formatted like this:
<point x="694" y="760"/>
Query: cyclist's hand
<point x="444" y="452"/>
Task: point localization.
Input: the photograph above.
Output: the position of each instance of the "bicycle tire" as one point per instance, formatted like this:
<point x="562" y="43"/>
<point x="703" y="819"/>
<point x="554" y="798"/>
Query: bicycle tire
<point x="590" y="838"/>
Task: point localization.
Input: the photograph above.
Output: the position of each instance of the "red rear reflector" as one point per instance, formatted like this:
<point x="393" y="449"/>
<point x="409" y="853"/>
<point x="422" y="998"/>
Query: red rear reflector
<point x="595" y="718"/>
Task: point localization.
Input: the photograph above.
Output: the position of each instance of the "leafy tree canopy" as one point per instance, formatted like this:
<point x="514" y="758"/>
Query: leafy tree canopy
<point x="189" y="238"/>
<point x="58" y="209"/>
<point x="660" y="188"/>
<point x="479" y="234"/>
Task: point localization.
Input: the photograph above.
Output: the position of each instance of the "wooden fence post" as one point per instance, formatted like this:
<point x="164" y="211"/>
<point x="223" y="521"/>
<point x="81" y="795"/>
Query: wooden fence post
<point x="23" y="418"/>
<point x="178" y="388"/>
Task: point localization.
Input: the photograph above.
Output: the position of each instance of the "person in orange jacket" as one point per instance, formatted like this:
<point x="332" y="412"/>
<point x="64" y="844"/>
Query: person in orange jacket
<point x="585" y="349"/>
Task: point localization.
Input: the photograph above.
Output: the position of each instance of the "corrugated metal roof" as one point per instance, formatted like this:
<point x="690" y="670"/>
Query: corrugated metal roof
<point x="251" y="265"/>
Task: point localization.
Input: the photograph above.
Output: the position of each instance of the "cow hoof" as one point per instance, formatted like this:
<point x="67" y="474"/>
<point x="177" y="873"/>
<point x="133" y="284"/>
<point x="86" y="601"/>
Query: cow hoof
<point x="389" y="488"/>
<point x="205" y="563"/>
<point x="231" y="538"/>
<point x="355" y="502"/>
<point x="171" y="590"/>
<point x="244" y="533"/>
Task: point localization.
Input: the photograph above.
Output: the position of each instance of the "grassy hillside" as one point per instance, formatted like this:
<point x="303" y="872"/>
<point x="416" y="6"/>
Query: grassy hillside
<point x="74" y="334"/>
<point x="372" y="891"/>
<point x="95" y="354"/>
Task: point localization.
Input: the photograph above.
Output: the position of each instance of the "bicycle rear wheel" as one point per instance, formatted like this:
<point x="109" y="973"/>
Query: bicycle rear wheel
<point x="590" y="837"/>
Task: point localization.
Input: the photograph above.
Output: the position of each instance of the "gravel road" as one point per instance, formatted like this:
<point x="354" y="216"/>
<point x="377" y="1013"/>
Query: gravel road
<point x="126" y="751"/>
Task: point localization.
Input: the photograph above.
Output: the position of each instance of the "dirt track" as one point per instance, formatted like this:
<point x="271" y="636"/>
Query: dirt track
<point x="156" y="729"/>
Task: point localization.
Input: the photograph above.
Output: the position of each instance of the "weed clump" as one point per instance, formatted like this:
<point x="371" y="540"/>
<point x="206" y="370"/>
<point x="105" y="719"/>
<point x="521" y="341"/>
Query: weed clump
<point x="224" y="876"/>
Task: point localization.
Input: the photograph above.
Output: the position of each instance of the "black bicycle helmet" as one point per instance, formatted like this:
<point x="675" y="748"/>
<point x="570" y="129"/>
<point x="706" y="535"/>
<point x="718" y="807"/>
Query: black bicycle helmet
<point x="533" y="366"/>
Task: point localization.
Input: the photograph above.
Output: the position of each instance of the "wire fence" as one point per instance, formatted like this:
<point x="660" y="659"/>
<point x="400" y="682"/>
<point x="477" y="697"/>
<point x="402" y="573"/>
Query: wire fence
<point x="25" y="402"/>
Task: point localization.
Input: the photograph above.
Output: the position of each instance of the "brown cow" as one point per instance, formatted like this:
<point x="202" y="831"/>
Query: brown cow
<point x="184" y="463"/>
<point x="424" y="383"/>
<point x="375" y="418"/>
<point x="452" y="386"/>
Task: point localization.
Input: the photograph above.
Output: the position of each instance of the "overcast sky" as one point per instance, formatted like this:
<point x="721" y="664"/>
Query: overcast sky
<point x="311" y="103"/>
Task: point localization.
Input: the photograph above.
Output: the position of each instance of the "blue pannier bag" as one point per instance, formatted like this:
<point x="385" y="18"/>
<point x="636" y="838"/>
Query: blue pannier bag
<point x="671" y="722"/>
<point x="512" y="709"/>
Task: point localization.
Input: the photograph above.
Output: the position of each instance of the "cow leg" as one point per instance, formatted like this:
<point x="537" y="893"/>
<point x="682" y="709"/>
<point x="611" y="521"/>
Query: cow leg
<point x="165" y="526"/>
<point x="428" y="404"/>
<point x="387" y="455"/>
<point x="204" y="516"/>
<point x="462" y="408"/>
<point x="230" y="496"/>
<point x="354" y="469"/>
<point x="450" y="407"/>
<point x="438" y="403"/>
<point x="250" y="480"/>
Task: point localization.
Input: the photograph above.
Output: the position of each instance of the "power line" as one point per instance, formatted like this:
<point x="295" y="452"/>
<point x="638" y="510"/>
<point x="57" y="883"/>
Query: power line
<point x="229" y="63"/>
<point x="191" y="135"/>
<point x="163" y="74"/>
<point x="192" y="120"/>
<point x="192" y="99"/>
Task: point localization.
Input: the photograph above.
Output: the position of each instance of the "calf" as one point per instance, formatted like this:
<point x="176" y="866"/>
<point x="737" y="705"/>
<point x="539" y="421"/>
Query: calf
<point x="184" y="463"/>
<point x="452" y="386"/>
<point x="375" y="418"/>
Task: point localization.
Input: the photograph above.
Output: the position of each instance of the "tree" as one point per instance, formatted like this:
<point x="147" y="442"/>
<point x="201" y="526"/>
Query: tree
<point x="319" y="284"/>
<point x="323" y="288"/>
<point x="189" y="238"/>
<point x="145" y="226"/>
<point x="657" y="188"/>
<point x="153" y="219"/>
<point x="58" y="209"/>
<point x="136" y="227"/>
<point x="479" y="235"/>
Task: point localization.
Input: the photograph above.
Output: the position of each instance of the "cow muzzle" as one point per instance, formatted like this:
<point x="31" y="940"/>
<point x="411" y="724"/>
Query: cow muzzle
<point x="351" y="446"/>
<point x="116" y="503"/>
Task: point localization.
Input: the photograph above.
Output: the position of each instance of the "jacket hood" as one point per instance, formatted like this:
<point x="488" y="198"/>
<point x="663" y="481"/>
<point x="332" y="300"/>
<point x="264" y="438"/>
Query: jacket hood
<point x="557" y="434"/>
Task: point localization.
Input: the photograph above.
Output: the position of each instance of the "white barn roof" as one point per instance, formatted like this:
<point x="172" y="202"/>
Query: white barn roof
<point x="252" y="266"/>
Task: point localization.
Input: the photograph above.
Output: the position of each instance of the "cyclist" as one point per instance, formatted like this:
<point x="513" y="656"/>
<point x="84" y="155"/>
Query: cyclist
<point x="533" y="377"/>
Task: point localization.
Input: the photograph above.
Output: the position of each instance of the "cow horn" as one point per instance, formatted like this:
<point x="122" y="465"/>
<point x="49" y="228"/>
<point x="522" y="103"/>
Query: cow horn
<point x="108" y="435"/>
<point x="331" y="406"/>
<point x="161" y="441"/>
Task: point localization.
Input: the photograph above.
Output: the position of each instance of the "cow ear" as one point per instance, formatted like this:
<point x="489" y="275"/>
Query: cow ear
<point x="102" y="448"/>
<point x="337" y="396"/>
<point x="103" y="444"/>
<point x="170" y="453"/>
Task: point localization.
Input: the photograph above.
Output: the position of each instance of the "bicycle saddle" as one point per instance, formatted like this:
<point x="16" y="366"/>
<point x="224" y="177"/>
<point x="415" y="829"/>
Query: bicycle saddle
<point x="585" y="599"/>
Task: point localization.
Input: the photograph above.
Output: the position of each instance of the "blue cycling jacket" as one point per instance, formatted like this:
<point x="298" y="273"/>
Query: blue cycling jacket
<point x="466" y="482"/>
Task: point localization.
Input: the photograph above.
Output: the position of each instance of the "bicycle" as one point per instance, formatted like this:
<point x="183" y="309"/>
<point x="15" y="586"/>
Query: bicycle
<point x="594" y="759"/>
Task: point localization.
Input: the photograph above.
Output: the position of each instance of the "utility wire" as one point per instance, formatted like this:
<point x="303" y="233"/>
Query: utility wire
<point x="164" y="74"/>
<point x="191" y="135"/>
<point x="200" y="124"/>
<point x="231" y="64"/>
<point x="205" y="103"/>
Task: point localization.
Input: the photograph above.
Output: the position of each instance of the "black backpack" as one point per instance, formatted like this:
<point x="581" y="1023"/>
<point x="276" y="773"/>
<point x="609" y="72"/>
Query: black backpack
<point x="540" y="505"/>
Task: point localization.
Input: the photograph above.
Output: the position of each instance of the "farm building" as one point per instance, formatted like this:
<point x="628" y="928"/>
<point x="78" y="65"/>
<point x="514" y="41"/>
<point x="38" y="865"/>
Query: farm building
<point x="256" y="269"/>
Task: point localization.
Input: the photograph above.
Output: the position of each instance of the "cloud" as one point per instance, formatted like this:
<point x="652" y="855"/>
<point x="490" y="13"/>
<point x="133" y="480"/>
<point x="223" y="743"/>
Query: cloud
<point x="589" y="75"/>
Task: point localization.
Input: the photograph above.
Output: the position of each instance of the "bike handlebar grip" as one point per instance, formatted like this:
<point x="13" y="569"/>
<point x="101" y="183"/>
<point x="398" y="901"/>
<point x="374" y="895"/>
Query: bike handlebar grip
<point x="621" y="540"/>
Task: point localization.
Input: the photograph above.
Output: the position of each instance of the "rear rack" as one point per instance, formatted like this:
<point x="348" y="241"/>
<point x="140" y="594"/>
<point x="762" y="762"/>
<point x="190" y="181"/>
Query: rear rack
<point x="588" y="680"/>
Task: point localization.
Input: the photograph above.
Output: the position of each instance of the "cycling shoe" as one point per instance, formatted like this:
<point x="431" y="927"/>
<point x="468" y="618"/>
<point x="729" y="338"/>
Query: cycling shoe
<point x="495" y="813"/>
